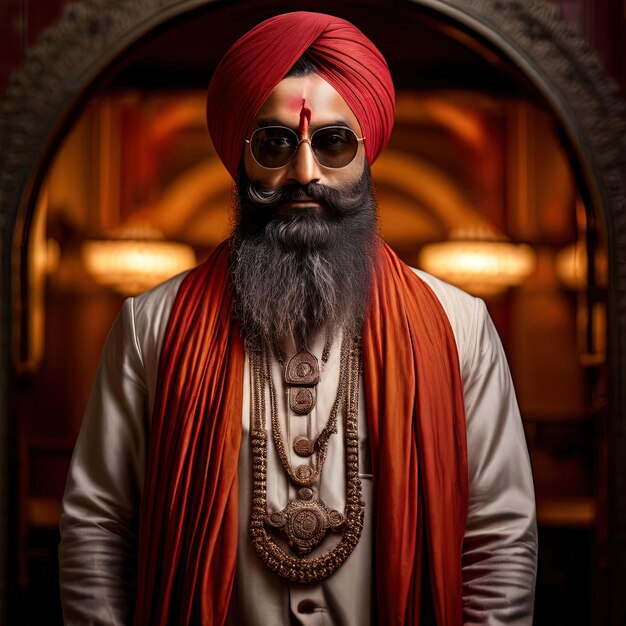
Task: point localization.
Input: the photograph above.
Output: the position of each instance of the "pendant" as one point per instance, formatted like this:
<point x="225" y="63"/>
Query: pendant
<point x="301" y="399"/>
<point x="305" y="523"/>
<point x="303" y="446"/>
<point x="302" y="369"/>
<point x="305" y="475"/>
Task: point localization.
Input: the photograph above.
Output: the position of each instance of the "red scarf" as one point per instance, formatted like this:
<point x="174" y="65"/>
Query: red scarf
<point x="414" y="400"/>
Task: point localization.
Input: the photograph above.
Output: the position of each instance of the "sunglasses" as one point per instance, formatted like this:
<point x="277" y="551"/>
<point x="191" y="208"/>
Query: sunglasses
<point x="273" y="147"/>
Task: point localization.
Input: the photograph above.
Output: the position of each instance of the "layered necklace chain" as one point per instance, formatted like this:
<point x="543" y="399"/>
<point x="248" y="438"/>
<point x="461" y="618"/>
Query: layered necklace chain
<point x="305" y="521"/>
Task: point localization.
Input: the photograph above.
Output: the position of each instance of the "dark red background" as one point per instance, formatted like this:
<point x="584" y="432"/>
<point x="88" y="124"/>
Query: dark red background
<point x="603" y="22"/>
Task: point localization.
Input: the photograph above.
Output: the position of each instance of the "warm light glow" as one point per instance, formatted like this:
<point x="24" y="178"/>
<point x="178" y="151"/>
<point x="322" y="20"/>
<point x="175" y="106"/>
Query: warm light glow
<point x="483" y="267"/>
<point x="571" y="266"/>
<point x="52" y="256"/>
<point x="134" y="265"/>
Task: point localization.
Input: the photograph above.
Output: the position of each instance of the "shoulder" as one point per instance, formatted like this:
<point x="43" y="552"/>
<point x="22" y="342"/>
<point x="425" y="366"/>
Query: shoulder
<point x="154" y="305"/>
<point x="461" y="308"/>
<point x="467" y="315"/>
<point x="150" y="314"/>
<point x="450" y="296"/>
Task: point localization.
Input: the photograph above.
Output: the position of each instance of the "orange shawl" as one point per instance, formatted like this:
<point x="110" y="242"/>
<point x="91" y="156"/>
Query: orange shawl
<point x="189" y="519"/>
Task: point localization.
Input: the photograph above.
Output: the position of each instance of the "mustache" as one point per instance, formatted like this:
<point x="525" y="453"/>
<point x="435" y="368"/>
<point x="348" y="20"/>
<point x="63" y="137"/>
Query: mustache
<point x="346" y="202"/>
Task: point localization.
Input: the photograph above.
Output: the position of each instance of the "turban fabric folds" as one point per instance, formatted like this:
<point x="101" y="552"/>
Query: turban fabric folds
<point x="259" y="60"/>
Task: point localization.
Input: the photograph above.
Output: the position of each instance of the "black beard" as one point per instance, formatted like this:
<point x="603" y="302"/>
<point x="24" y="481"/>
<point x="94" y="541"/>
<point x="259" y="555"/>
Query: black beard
<point x="309" y="270"/>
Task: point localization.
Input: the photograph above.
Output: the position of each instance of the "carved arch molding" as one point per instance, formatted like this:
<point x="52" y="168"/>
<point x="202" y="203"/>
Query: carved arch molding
<point x="67" y="61"/>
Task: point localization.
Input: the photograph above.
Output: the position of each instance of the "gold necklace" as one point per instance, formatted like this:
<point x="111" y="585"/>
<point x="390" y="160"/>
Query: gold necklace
<point x="305" y="521"/>
<point x="305" y="475"/>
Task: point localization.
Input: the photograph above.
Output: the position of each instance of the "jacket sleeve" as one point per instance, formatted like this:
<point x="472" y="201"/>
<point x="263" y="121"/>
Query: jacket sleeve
<point x="500" y="547"/>
<point x="100" y="507"/>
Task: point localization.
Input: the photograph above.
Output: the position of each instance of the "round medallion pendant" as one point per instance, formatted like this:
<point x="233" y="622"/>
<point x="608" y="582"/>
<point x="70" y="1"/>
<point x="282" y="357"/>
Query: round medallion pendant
<point x="306" y="524"/>
<point x="277" y="519"/>
<point x="301" y="400"/>
<point x="336" y="520"/>
<point x="303" y="446"/>
<point x="305" y="521"/>
<point x="304" y="472"/>
<point x="305" y="493"/>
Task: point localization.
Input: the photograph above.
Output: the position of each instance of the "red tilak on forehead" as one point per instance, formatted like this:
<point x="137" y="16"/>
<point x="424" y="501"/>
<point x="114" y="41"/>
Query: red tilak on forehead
<point x="305" y="119"/>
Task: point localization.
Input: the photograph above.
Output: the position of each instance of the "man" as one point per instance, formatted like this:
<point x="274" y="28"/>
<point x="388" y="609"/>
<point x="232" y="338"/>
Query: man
<point x="302" y="429"/>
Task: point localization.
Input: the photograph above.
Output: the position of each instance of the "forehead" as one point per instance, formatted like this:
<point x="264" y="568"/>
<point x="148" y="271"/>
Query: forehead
<point x="287" y="100"/>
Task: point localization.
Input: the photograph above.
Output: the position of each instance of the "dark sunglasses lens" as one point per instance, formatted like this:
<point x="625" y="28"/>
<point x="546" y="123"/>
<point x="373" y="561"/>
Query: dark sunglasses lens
<point x="272" y="146"/>
<point x="334" y="147"/>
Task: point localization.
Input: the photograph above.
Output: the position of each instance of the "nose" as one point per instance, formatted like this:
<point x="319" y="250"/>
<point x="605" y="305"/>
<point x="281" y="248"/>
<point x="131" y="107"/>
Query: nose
<point x="304" y="168"/>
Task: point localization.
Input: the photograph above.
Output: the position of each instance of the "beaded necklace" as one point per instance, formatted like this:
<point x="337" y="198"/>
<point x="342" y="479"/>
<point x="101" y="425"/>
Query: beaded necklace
<point x="305" y="521"/>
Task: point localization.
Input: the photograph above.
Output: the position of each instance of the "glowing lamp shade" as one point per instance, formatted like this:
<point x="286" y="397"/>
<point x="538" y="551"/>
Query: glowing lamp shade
<point x="482" y="267"/>
<point x="134" y="265"/>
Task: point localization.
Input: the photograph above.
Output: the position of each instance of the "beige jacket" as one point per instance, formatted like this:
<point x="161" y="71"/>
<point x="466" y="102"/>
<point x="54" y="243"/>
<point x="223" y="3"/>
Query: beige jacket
<point x="99" y="517"/>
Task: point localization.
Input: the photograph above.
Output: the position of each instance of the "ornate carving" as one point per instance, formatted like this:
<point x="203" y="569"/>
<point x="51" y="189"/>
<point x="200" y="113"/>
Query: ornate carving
<point x="301" y="399"/>
<point x="303" y="446"/>
<point x="306" y="522"/>
<point x="564" y="69"/>
<point x="302" y="369"/>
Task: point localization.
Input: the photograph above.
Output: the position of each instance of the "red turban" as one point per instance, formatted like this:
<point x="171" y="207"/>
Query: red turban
<point x="259" y="60"/>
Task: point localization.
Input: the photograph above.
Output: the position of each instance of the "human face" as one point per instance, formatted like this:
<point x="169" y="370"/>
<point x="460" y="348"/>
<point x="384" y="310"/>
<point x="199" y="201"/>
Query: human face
<point x="304" y="104"/>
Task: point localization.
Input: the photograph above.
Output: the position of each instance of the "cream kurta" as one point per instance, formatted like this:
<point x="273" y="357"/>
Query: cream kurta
<point x="99" y="517"/>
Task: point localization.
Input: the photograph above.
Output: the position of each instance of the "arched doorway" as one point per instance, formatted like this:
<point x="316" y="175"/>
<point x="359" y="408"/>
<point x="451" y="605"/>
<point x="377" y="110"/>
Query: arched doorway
<point x="523" y="48"/>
